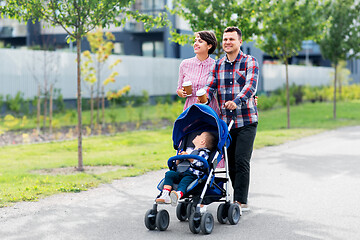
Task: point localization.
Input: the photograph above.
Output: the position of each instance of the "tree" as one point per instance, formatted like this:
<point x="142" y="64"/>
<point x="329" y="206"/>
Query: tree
<point x="77" y="18"/>
<point x="216" y="15"/>
<point x="285" y="24"/>
<point x="341" y="39"/>
<point x="92" y="67"/>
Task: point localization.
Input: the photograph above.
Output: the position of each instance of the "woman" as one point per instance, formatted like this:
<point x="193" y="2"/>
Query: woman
<point x="197" y="69"/>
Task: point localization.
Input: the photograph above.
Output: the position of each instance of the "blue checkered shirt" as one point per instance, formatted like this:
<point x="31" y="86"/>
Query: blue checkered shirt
<point x="197" y="167"/>
<point x="235" y="81"/>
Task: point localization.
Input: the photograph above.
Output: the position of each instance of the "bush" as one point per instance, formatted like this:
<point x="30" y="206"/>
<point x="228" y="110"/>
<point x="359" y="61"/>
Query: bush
<point x="266" y="102"/>
<point x="14" y="104"/>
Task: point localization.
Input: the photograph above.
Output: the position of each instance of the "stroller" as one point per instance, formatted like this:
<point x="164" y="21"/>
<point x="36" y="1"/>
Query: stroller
<point x="205" y="190"/>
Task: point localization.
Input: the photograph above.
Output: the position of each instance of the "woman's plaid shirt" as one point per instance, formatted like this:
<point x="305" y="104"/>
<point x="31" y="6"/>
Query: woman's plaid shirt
<point x="235" y="81"/>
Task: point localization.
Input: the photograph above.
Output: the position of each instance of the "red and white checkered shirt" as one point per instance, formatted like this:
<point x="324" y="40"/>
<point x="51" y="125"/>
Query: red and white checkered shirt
<point x="235" y="81"/>
<point x="196" y="71"/>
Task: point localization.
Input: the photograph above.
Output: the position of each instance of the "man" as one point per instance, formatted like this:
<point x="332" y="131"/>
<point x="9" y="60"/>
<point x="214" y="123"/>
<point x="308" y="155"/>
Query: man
<point x="234" y="79"/>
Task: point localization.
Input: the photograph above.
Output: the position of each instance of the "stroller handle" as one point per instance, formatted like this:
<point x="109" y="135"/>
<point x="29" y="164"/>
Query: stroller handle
<point x="183" y="157"/>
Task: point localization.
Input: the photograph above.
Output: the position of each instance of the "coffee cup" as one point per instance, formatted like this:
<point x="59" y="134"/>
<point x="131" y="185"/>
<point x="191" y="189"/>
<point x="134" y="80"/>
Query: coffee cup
<point x="201" y="95"/>
<point x="188" y="88"/>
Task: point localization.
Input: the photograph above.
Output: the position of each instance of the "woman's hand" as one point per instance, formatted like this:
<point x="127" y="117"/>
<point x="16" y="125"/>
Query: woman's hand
<point x="181" y="93"/>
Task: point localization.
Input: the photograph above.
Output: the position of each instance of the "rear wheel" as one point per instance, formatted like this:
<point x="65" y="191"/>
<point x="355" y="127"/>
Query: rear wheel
<point x="222" y="213"/>
<point x="162" y="220"/>
<point x="150" y="217"/>
<point x="190" y="209"/>
<point x="207" y="223"/>
<point x="194" y="222"/>
<point x="234" y="214"/>
<point x="181" y="212"/>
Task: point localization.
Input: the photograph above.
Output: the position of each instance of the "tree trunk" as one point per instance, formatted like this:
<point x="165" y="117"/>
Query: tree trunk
<point x="38" y="110"/>
<point x="287" y="95"/>
<point x="51" y="109"/>
<point x="98" y="93"/>
<point x="80" y="160"/>
<point x="91" y="107"/>
<point x="103" y="105"/>
<point x="335" y="80"/>
<point x="45" y="92"/>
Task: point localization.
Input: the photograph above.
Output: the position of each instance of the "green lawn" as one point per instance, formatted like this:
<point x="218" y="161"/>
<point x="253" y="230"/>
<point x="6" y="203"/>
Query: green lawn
<point x="141" y="151"/>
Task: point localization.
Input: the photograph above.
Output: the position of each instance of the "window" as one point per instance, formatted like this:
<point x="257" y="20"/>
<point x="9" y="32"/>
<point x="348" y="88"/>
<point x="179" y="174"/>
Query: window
<point x="153" y="49"/>
<point x="119" y="48"/>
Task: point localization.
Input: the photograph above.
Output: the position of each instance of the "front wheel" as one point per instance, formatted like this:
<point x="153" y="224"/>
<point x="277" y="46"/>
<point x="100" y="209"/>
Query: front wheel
<point x="194" y="222"/>
<point x="207" y="223"/>
<point x="181" y="212"/>
<point x="162" y="220"/>
<point x="150" y="217"/>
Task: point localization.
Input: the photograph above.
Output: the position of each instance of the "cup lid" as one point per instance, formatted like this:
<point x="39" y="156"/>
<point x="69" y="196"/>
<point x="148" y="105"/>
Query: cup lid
<point x="200" y="92"/>
<point x="187" y="83"/>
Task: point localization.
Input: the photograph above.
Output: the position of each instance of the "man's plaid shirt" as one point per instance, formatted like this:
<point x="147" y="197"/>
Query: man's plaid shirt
<point x="235" y="81"/>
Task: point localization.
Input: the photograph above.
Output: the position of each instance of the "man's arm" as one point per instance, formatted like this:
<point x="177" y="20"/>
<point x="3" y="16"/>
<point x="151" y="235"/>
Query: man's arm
<point x="252" y="76"/>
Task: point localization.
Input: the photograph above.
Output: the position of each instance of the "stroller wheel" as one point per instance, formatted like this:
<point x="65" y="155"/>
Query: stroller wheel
<point x="162" y="220"/>
<point x="181" y="213"/>
<point x="207" y="223"/>
<point x="190" y="209"/>
<point x="195" y="222"/>
<point x="150" y="216"/>
<point x="234" y="214"/>
<point x="222" y="213"/>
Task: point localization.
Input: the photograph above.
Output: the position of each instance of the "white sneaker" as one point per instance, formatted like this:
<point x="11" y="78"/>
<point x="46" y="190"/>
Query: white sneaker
<point x="203" y="209"/>
<point x="245" y="207"/>
<point x="164" y="198"/>
<point x="175" y="196"/>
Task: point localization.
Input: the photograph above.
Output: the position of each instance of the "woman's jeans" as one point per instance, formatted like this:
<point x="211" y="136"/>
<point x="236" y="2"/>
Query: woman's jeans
<point x="239" y="153"/>
<point x="183" y="179"/>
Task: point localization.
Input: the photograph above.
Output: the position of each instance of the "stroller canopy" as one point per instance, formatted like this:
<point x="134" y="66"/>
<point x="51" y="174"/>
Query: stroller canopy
<point x="199" y="117"/>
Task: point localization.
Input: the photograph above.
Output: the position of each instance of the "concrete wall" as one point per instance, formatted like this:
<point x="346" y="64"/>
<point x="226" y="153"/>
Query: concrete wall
<point x="22" y="70"/>
<point x="274" y="76"/>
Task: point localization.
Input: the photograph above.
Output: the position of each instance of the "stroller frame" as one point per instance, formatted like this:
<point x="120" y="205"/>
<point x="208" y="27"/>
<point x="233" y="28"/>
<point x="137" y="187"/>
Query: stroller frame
<point x="188" y="208"/>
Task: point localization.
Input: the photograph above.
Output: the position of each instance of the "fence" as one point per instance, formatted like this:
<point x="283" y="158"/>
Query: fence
<point x="24" y="70"/>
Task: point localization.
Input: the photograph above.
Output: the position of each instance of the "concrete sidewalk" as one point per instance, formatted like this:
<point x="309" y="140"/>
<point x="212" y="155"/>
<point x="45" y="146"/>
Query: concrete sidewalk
<point x="304" y="189"/>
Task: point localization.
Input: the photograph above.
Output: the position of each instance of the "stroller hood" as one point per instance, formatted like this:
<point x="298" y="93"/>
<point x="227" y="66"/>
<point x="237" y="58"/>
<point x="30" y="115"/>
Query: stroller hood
<point x="199" y="117"/>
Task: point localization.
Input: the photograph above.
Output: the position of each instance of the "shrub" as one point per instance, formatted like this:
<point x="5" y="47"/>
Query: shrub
<point x="14" y="103"/>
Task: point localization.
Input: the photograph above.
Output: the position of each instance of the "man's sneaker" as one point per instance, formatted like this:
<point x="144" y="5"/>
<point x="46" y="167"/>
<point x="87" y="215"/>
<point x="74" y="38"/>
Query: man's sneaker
<point x="175" y="196"/>
<point x="245" y="207"/>
<point x="164" y="198"/>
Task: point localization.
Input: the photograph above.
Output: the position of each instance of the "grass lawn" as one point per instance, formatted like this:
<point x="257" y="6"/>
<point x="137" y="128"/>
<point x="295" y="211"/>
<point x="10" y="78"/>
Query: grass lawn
<point x="140" y="151"/>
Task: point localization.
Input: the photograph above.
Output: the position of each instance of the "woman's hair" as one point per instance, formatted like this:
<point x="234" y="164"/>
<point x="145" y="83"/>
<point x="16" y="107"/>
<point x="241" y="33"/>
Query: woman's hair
<point x="210" y="38"/>
<point x="234" y="29"/>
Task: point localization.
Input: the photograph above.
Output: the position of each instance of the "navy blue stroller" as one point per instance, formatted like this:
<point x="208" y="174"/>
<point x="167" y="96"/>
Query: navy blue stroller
<point x="207" y="189"/>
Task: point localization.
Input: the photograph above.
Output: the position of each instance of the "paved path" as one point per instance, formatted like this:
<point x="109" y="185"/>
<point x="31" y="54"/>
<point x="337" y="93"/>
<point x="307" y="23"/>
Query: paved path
<point x="304" y="189"/>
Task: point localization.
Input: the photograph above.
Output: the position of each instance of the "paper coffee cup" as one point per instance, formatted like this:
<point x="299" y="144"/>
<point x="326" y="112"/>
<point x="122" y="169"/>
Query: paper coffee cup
<point x="201" y="94"/>
<point x="188" y="88"/>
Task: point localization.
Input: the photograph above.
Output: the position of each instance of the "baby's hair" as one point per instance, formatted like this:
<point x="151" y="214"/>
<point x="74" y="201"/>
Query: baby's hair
<point x="210" y="141"/>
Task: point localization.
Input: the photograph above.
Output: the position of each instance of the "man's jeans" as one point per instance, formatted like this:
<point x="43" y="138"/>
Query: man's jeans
<point x="239" y="153"/>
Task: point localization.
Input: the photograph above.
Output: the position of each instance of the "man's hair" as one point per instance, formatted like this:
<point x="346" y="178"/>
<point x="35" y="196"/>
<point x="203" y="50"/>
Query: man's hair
<point x="210" y="139"/>
<point x="233" y="29"/>
<point x="210" y="38"/>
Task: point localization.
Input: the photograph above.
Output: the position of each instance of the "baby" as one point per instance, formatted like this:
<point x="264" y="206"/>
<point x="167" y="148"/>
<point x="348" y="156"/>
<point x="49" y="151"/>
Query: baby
<point x="204" y="143"/>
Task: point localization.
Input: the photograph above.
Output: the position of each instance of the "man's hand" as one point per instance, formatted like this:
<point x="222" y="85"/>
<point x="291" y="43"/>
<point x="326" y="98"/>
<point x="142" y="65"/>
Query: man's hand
<point x="230" y="105"/>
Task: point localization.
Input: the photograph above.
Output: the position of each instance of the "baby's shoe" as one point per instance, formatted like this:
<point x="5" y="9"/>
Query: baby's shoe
<point x="164" y="198"/>
<point x="175" y="196"/>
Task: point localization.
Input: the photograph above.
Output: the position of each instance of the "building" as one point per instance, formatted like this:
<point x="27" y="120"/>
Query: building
<point x="132" y="40"/>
